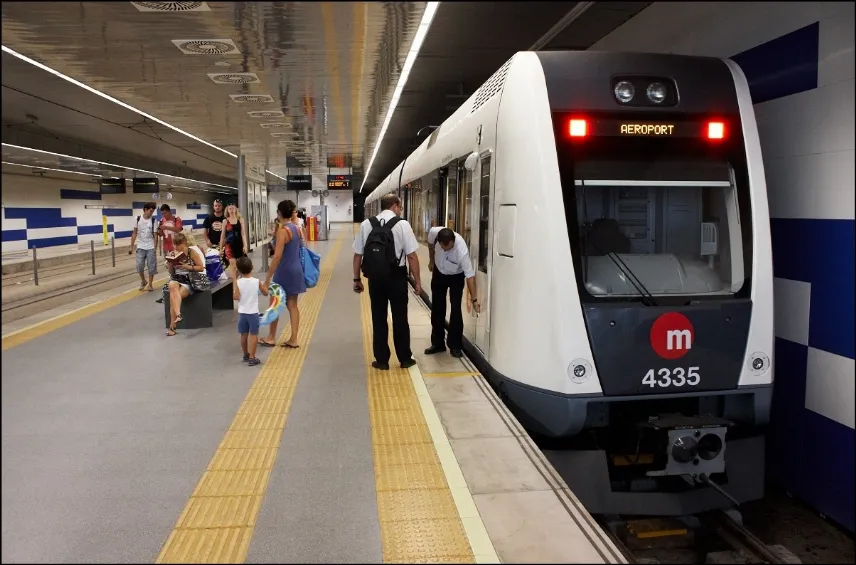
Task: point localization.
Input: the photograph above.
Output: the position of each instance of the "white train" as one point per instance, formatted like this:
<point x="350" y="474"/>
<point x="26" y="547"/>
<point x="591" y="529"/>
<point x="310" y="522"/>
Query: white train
<point x="616" y="208"/>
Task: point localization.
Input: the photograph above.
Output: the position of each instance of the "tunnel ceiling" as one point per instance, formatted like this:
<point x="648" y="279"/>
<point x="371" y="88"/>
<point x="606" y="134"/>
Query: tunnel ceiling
<point x="295" y="86"/>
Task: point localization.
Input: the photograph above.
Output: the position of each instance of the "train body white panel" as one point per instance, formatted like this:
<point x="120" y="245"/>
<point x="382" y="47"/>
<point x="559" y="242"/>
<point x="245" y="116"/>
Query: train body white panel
<point x="536" y="324"/>
<point x="761" y="329"/>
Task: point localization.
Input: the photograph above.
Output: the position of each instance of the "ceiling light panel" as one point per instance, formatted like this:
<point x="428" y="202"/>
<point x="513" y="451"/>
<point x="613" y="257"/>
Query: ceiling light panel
<point x="206" y="46"/>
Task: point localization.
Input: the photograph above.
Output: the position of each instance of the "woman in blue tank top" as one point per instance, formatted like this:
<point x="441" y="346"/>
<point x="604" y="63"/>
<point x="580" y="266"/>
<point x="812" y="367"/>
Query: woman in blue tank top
<point x="285" y="270"/>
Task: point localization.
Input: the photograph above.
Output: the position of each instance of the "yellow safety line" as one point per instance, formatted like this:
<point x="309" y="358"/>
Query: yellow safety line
<point x="217" y="523"/>
<point x="18" y="337"/>
<point x="419" y="520"/>
<point x="453" y="374"/>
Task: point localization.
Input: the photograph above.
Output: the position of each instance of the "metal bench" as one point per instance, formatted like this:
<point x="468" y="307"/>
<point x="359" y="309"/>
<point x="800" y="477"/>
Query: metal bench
<point x="197" y="310"/>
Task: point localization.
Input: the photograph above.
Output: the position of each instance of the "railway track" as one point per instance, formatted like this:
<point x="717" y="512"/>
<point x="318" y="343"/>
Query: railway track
<point x="712" y="538"/>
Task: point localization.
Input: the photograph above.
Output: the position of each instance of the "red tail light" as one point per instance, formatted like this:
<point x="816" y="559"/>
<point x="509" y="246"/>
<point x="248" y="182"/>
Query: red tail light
<point x="715" y="130"/>
<point x="577" y="128"/>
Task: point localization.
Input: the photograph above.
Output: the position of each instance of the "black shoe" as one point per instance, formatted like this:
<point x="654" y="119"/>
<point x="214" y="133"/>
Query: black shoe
<point x="246" y="358"/>
<point x="457" y="353"/>
<point x="159" y="300"/>
<point x="380" y="366"/>
<point x="407" y="364"/>
<point x="435" y="349"/>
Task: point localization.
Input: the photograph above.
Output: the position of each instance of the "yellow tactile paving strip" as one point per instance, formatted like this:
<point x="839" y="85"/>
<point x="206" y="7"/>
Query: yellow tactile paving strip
<point x="24" y="335"/>
<point x="418" y="515"/>
<point x="217" y="524"/>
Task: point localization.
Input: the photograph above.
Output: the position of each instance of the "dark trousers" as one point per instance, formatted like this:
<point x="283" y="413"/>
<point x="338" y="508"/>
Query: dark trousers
<point x="440" y="283"/>
<point x="385" y="295"/>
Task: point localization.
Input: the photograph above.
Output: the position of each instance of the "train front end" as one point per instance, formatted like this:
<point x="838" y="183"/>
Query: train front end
<point x="665" y="204"/>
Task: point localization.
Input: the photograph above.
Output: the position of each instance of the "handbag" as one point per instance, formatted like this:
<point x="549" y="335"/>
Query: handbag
<point x="311" y="263"/>
<point x="199" y="281"/>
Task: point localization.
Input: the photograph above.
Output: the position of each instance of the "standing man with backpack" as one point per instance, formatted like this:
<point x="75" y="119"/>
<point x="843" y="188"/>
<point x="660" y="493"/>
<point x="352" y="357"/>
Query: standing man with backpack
<point x="144" y="241"/>
<point x="381" y="248"/>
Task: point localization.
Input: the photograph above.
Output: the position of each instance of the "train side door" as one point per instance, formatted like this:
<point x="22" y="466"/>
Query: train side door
<point x="482" y="255"/>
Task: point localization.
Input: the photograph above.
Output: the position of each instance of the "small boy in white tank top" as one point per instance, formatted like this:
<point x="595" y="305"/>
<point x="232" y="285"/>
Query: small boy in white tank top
<point x="246" y="292"/>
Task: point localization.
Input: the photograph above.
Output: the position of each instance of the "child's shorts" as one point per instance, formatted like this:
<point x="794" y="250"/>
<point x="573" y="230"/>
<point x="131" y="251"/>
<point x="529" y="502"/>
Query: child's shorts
<point x="248" y="324"/>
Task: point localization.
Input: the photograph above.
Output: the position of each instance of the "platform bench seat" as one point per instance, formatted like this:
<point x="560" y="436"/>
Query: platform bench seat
<point x="197" y="310"/>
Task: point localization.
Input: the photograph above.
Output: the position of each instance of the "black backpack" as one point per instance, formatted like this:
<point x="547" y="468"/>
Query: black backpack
<point x="379" y="260"/>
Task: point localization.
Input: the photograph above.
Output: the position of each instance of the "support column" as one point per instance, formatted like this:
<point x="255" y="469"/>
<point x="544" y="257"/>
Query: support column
<point x="242" y="186"/>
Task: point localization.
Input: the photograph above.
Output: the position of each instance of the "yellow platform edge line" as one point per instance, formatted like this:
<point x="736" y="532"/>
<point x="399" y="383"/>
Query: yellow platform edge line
<point x="480" y="541"/>
<point x="19" y="337"/>
<point x="440" y="528"/>
<point x="219" y="519"/>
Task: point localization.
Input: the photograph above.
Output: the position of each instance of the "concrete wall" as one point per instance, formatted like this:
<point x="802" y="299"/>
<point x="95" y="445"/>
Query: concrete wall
<point x="340" y="204"/>
<point x="51" y="211"/>
<point x="799" y="60"/>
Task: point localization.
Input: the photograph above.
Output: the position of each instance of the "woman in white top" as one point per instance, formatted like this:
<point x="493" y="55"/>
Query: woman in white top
<point x="179" y="284"/>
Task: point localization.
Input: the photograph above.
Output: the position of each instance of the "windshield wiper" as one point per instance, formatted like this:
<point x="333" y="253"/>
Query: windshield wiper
<point x="647" y="298"/>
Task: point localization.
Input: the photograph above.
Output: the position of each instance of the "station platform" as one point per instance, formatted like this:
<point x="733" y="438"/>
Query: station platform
<point x="123" y="445"/>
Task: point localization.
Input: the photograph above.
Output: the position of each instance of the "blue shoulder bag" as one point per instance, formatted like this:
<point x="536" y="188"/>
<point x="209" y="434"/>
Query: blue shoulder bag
<point x="311" y="263"/>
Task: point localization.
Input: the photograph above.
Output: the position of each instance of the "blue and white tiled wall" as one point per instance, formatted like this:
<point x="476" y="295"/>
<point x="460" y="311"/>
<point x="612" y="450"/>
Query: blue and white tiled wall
<point x="48" y="212"/>
<point x="799" y="60"/>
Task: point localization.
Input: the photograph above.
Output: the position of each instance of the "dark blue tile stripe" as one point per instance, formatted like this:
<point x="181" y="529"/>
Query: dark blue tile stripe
<point x="14" y="235"/>
<point x="87" y="230"/>
<point x="71" y="194"/>
<point x="121" y="234"/>
<point x="784" y="66"/>
<point x="821" y="252"/>
<point x="41" y="217"/>
<point x="52" y="241"/>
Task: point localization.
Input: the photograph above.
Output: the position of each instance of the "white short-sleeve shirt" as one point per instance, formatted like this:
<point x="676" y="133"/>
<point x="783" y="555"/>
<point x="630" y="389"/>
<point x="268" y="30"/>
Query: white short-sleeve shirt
<point x="454" y="261"/>
<point x="402" y="235"/>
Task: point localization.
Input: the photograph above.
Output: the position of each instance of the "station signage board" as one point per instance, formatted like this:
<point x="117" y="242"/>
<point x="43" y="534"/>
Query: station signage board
<point x="339" y="182"/>
<point x="298" y="182"/>
<point x="111" y="186"/>
<point x="145" y="185"/>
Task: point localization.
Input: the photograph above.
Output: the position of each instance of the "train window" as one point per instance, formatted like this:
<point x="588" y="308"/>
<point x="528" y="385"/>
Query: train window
<point x="464" y="204"/>
<point x="451" y="205"/>
<point x="484" y="212"/>
<point x="672" y="225"/>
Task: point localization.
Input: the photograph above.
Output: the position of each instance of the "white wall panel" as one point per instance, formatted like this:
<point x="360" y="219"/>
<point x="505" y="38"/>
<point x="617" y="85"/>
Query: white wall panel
<point x="817" y="185"/>
<point x="830" y="387"/>
<point x="792" y="299"/>
<point x="836" y="58"/>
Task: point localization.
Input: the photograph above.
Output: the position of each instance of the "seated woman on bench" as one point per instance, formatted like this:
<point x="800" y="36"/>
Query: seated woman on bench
<point x="179" y="284"/>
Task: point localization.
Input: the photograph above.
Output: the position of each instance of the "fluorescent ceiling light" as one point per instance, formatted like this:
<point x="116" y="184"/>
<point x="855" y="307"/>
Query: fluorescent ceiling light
<point x="113" y="165"/>
<point x="421" y="32"/>
<point x="274" y="174"/>
<point x="49" y="169"/>
<point x="111" y="99"/>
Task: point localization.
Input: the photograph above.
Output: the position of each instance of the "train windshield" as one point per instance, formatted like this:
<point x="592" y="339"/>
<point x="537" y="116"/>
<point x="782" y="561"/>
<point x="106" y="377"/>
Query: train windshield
<point x="667" y="228"/>
<point x="657" y="218"/>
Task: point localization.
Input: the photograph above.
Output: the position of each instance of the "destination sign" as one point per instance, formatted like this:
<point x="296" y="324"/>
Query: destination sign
<point x="624" y="128"/>
<point x="111" y="186"/>
<point x="647" y="129"/>
<point x="339" y="182"/>
<point x="145" y="185"/>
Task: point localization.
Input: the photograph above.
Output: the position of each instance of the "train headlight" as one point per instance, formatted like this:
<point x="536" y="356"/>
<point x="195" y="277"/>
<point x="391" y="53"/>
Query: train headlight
<point x="709" y="446"/>
<point x="684" y="449"/>
<point x="624" y="91"/>
<point x="657" y="92"/>
<point x="759" y="363"/>
<point x="579" y="371"/>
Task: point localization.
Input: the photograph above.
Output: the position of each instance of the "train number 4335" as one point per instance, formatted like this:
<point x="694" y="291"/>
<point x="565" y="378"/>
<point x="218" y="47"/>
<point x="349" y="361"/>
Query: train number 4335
<point x="678" y="376"/>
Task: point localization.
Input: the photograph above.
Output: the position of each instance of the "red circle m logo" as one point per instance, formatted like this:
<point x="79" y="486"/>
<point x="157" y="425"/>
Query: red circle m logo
<point x="672" y="335"/>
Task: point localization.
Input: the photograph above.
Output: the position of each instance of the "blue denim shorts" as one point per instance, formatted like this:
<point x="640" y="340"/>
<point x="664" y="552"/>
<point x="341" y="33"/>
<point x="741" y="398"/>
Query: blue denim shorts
<point x="248" y="324"/>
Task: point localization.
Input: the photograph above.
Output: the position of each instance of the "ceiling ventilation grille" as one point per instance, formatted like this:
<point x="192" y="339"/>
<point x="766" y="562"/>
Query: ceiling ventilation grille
<point x="266" y="114"/>
<point x="278" y="125"/>
<point x="243" y="98"/>
<point x="234" y="78"/>
<point x="172" y="6"/>
<point x="280" y="134"/>
<point x="492" y="86"/>
<point x="207" y="46"/>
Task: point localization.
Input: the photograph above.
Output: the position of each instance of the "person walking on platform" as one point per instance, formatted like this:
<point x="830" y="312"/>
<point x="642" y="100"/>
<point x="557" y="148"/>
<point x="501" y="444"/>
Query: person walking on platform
<point x="286" y="270"/>
<point x="381" y="248"/>
<point x="213" y="225"/>
<point x="144" y="240"/>
<point x="451" y="267"/>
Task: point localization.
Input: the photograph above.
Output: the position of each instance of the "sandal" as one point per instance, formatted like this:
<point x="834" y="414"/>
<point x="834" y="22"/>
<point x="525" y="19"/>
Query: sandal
<point x="289" y="345"/>
<point x="170" y="332"/>
<point x="264" y="343"/>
